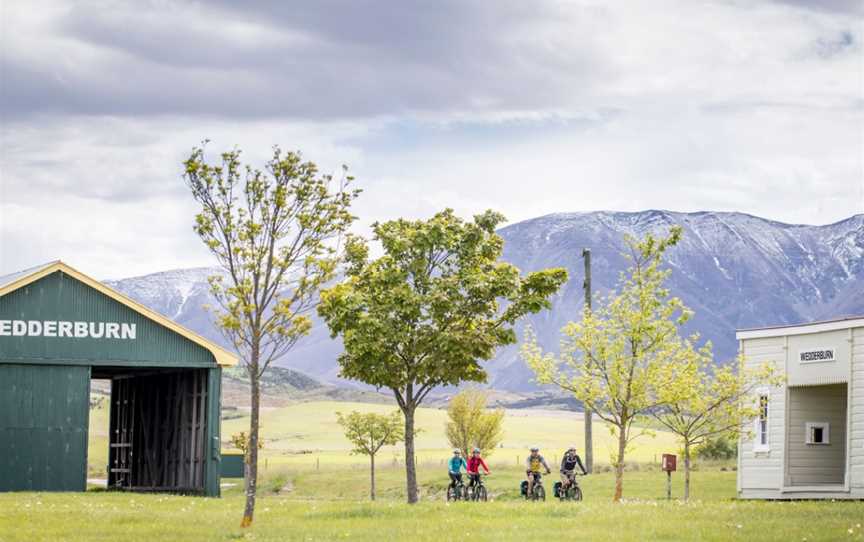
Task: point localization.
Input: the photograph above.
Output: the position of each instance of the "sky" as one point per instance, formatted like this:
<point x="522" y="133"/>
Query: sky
<point x="528" y="108"/>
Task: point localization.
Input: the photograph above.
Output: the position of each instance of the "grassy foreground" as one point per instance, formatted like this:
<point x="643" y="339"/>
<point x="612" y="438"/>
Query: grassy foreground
<point x="300" y="512"/>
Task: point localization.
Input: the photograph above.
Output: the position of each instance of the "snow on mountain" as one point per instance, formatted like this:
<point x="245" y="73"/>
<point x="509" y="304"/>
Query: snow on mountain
<point x="734" y="270"/>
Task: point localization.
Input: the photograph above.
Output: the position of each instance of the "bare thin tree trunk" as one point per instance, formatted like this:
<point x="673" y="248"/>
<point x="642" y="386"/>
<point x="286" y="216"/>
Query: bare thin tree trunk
<point x="252" y="453"/>
<point x="372" y="473"/>
<point x="686" y="469"/>
<point x="619" y="465"/>
<point x="410" y="467"/>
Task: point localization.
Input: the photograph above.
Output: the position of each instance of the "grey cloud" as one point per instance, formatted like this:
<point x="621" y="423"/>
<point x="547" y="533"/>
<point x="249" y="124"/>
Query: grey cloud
<point x="323" y="61"/>
<point x="838" y="6"/>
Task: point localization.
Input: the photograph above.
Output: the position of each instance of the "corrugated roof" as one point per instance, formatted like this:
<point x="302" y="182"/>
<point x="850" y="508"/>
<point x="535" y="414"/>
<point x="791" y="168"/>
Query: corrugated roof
<point x="6" y="280"/>
<point x="14" y="281"/>
<point x="813" y="323"/>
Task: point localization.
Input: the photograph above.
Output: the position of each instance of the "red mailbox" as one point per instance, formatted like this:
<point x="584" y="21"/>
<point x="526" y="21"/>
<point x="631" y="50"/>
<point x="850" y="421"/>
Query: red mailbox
<point x="669" y="462"/>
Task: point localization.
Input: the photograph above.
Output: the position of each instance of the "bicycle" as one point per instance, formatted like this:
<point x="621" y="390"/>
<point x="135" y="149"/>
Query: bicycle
<point x="478" y="491"/>
<point x="538" y="492"/>
<point x="457" y="491"/>
<point x="572" y="492"/>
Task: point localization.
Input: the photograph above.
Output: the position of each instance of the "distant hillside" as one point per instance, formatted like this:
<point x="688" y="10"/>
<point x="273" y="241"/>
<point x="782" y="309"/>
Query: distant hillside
<point x="733" y="269"/>
<point x="280" y="386"/>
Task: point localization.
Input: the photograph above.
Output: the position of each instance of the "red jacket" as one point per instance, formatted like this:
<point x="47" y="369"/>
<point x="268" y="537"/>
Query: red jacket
<point x="474" y="464"/>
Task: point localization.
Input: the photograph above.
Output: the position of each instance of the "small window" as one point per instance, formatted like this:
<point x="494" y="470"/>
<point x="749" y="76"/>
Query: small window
<point x="761" y="441"/>
<point x="818" y="433"/>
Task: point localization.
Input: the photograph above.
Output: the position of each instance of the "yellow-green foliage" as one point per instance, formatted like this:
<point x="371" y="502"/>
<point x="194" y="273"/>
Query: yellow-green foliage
<point x="369" y="431"/>
<point x="613" y="359"/>
<point x="471" y="425"/>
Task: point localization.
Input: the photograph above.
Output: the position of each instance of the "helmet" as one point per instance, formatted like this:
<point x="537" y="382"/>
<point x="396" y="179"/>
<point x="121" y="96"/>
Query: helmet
<point x="535" y="449"/>
<point x="571" y="449"/>
<point x="457" y="451"/>
<point x="476" y="450"/>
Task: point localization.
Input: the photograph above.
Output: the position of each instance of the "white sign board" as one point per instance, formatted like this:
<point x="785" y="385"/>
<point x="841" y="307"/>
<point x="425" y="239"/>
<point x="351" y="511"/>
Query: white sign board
<point x="816" y="355"/>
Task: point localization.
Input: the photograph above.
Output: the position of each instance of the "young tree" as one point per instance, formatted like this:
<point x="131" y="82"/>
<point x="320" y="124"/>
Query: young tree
<point x="471" y="424"/>
<point x="430" y="309"/>
<point x="610" y="360"/>
<point x="273" y="234"/>
<point x="369" y="432"/>
<point x="703" y="401"/>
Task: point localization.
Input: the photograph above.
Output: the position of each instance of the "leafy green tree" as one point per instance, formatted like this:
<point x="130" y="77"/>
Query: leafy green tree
<point x="369" y="432"/>
<point x="273" y="234"/>
<point x="703" y="401"/>
<point x="717" y="448"/>
<point x="611" y="359"/>
<point x="435" y="304"/>
<point x="471" y="424"/>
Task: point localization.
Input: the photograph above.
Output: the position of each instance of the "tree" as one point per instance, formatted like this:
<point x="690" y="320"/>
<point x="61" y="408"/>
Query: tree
<point x="241" y="442"/>
<point x="717" y="448"/>
<point x="426" y="312"/>
<point x="471" y="424"/>
<point x="704" y="401"/>
<point x="274" y="235"/>
<point x="369" y="432"/>
<point x="610" y="360"/>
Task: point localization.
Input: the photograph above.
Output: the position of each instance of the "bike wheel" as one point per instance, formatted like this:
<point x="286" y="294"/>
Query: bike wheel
<point x="576" y="494"/>
<point x="539" y="493"/>
<point x="480" y="494"/>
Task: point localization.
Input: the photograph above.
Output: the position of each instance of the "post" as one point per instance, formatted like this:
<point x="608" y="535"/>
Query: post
<point x="668" y="485"/>
<point x="589" y="441"/>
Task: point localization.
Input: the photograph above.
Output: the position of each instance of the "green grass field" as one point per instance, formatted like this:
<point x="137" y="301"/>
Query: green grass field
<point x="313" y="489"/>
<point x="331" y="505"/>
<point x="306" y="435"/>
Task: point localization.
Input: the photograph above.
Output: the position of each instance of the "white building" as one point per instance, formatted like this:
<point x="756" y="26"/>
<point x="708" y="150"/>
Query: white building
<point x="808" y="440"/>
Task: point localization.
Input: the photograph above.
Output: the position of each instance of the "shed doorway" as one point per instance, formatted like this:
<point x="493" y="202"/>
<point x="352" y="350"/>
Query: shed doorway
<point x="158" y="429"/>
<point x="816" y="435"/>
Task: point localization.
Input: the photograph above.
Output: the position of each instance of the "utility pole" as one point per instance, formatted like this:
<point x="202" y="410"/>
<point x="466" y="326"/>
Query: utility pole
<point x="589" y="444"/>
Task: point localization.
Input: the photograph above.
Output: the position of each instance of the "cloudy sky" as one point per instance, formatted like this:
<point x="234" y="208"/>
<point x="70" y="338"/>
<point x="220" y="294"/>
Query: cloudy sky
<point x="525" y="107"/>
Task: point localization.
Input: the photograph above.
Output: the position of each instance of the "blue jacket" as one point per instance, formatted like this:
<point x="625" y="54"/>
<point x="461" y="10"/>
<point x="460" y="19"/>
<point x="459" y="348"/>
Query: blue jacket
<point x="456" y="464"/>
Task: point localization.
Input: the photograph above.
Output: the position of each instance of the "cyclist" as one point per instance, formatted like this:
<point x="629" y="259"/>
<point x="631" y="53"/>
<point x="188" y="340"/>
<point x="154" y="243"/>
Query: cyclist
<point x="533" y="464"/>
<point x="455" y="466"/>
<point x="569" y="462"/>
<point x="473" y="467"/>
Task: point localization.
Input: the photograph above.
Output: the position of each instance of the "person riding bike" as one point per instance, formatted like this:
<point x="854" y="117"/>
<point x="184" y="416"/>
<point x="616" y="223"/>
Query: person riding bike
<point x="533" y="464"/>
<point x="473" y="467"/>
<point x="455" y="466"/>
<point x="569" y="462"/>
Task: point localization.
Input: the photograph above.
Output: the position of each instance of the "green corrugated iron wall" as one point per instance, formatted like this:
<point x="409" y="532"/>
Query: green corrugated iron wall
<point x="43" y="427"/>
<point x="214" y="433"/>
<point x="61" y="297"/>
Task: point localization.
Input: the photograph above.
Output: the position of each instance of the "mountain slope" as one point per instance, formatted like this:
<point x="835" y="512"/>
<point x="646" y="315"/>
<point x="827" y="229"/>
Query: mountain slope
<point x="734" y="270"/>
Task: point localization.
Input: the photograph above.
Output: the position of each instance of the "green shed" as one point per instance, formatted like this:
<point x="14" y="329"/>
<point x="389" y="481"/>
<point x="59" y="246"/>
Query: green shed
<point x="58" y="330"/>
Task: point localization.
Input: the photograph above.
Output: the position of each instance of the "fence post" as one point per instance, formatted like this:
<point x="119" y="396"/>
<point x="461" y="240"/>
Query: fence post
<point x="317" y="463"/>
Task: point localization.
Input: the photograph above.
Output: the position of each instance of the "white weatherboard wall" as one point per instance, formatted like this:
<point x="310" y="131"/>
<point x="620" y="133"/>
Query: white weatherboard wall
<point x="776" y="473"/>
<point x="856" y="412"/>
<point x="764" y="469"/>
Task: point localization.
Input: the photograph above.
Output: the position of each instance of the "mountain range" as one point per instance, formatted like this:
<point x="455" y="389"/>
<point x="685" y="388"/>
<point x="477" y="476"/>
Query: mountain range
<point x="734" y="270"/>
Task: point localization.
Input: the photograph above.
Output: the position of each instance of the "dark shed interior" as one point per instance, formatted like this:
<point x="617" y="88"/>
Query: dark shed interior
<point x="158" y="429"/>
